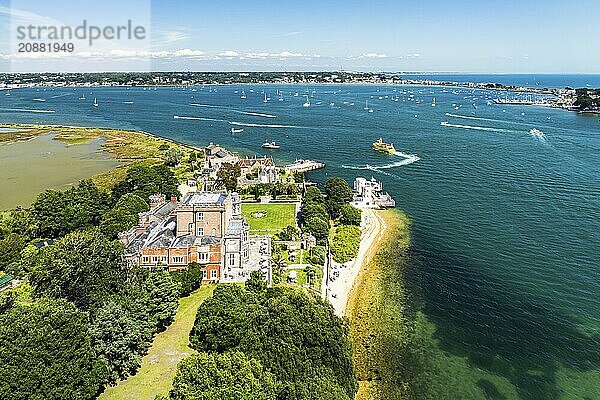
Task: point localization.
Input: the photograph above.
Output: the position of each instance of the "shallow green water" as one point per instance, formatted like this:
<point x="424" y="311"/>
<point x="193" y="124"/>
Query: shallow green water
<point x="28" y="168"/>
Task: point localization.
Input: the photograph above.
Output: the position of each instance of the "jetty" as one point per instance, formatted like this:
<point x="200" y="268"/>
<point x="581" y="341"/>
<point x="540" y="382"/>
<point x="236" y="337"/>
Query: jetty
<point x="303" y="166"/>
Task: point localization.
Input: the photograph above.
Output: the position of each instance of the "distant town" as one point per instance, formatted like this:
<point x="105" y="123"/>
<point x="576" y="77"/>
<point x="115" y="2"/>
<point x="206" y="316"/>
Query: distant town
<point x="583" y="100"/>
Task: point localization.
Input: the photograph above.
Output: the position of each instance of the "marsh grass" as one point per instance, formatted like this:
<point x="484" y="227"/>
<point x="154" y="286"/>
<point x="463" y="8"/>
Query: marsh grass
<point x="126" y="146"/>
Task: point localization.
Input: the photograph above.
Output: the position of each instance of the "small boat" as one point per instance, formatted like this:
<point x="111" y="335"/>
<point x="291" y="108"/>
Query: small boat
<point x="270" y="145"/>
<point x="128" y="102"/>
<point x="243" y="96"/>
<point x="7" y="94"/>
<point x="95" y="102"/>
<point x="433" y="103"/>
<point x="265" y="100"/>
<point x="307" y="103"/>
<point x="40" y="100"/>
<point x="383" y="147"/>
<point x="233" y="130"/>
<point x="82" y="97"/>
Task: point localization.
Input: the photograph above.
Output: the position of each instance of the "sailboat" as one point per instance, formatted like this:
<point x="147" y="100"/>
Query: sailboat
<point x="366" y="105"/>
<point x="95" y="102"/>
<point x="433" y="104"/>
<point x="265" y="100"/>
<point x="307" y="103"/>
<point x="243" y="96"/>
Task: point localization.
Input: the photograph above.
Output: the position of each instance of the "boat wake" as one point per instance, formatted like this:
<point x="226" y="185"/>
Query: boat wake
<point x="255" y="114"/>
<point x="199" y="118"/>
<point x="536" y="133"/>
<point x="407" y="160"/>
<point x="23" y="110"/>
<point x="477" y="128"/>
<point x="265" y="125"/>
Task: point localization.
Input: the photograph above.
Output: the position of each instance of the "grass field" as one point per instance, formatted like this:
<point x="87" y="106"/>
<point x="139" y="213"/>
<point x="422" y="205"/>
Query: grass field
<point x="273" y="218"/>
<point x="160" y="364"/>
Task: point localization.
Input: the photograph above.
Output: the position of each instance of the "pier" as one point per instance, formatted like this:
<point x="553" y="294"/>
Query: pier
<point x="303" y="166"/>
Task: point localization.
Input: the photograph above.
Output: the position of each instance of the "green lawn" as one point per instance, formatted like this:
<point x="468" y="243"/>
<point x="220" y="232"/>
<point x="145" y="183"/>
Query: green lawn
<point x="274" y="217"/>
<point x="160" y="364"/>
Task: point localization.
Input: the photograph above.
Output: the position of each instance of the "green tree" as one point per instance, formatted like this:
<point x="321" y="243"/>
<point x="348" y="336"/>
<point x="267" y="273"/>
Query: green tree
<point x="145" y="181"/>
<point x="10" y="250"/>
<point x="289" y="233"/>
<point x="188" y="279"/>
<point x="350" y="215"/>
<point x="345" y="243"/>
<point x="338" y="193"/>
<point x="164" y="296"/>
<point x="277" y="266"/>
<point x="313" y="195"/>
<point x="298" y="338"/>
<point x="123" y="215"/>
<point x="45" y="353"/>
<point x="228" y="175"/>
<point x="82" y="267"/>
<point x="59" y="213"/>
<point x="121" y="332"/>
<point x="228" y="376"/>
<point x="318" y="227"/>
<point x="173" y="156"/>
<point x="338" y="190"/>
<point x="256" y="282"/>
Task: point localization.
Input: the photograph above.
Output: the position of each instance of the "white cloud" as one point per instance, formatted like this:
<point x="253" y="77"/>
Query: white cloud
<point x="228" y="53"/>
<point x="373" y="55"/>
<point x="295" y="33"/>
<point x="415" y="55"/>
<point x="189" y="53"/>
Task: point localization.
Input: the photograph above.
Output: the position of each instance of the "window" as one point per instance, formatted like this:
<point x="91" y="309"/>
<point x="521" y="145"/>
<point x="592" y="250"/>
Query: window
<point x="213" y="274"/>
<point x="232" y="260"/>
<point x="190" y="228"/>
<point x="204" y="274"/>
<point x="177" y="260"/>
<point x="214" y="232"/>
<point x="200" y="231"/>
<point x="145" y="259"/>
<point x="154" y="259"/>
<point x="203" y="257"/>
<point x="200" y="216"/>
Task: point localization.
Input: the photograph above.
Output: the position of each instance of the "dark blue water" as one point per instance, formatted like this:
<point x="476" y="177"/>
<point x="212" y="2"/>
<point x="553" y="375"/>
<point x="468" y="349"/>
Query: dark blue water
<point x="506" y="222"/>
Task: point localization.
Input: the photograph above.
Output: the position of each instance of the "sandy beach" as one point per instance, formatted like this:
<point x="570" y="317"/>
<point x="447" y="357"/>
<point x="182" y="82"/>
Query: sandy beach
<point x="340" y="287"/>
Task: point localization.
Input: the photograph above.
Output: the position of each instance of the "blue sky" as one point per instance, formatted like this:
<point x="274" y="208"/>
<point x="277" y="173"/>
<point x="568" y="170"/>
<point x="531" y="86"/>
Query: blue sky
<point x="532" y="36"/>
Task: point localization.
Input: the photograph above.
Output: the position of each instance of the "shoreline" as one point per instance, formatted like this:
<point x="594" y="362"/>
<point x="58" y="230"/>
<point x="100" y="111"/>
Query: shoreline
<point x="381" y="327"/>
<point x="126" y="147"/>
<point x="339" y="291"/>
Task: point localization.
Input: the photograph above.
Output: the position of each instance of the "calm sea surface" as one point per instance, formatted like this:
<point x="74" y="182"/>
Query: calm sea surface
<point x="506" y="222"/>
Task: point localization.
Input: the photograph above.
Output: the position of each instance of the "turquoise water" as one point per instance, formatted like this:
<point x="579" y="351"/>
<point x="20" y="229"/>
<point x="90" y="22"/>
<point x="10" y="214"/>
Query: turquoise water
<point x="506" y="223"/>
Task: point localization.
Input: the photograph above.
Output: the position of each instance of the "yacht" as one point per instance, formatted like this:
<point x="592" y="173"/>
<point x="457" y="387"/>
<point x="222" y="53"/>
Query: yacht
<point x="265" y="100"/>
<point x="233" y="130"/>
<point x="95" y="102"/>
<point x="307" y="103"/>
<point x="270" y="145"/>
<point x="243" y="96"/>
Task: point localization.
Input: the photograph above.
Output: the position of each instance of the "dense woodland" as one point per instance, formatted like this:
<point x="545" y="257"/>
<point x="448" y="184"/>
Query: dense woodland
<point x="265" y="343"/>
<point x="82" y="319"/>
